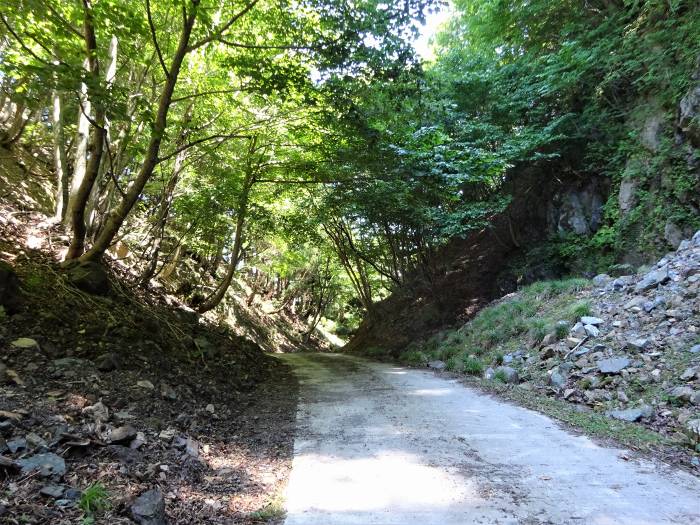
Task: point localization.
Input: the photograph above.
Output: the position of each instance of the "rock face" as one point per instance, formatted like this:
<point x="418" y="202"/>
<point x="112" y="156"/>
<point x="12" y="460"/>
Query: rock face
<point x="577" y="210"/>
<point x="89" y="277"/>
<point x="10" y="293"/>
<point x="626" y="198"/>
<point x="149" y="508"/>
<point x="689" y="116"/>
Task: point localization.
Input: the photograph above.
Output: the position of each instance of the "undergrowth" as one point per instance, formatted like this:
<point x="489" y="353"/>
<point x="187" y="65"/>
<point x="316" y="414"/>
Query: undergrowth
<point x="546" y="307"/>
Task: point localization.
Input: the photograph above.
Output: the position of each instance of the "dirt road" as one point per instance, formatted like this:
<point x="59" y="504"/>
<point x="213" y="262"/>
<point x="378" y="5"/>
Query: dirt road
<point x="379" y="444"/>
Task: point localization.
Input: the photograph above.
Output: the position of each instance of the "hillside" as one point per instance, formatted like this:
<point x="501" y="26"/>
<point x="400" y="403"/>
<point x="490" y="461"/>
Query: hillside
<point x="212" y="213"/>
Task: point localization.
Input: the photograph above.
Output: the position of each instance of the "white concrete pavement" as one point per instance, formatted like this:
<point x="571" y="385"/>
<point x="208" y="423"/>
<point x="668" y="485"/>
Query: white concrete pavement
<point x="384" y="445"/>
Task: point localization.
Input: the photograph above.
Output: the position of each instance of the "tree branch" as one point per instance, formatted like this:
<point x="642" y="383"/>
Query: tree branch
<point x="218" y="33"/>
<point x="199" y="141"/>
<point x="154" y="37"/>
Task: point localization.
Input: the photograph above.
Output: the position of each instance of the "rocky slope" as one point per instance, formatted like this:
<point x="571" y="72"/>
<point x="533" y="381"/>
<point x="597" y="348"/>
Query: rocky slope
<point x="623" y="349"/>
<point x="637" y="357"/>
<point x="122" y="405"/>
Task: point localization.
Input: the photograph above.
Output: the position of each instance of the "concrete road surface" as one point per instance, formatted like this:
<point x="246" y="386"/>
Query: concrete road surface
<point x="380" y="444"/>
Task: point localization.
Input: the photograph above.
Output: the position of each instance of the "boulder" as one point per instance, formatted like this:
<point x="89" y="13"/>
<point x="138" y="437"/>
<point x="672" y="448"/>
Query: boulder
<point x="681" y="393"/>
<point x="614" y="365"/>
<point x="52" y="491"/>
<point x="436" y="365"/>
<point x="631" y="414"/>
<point x="595" y="321"/>
<point x="638" y="344"/>
<point x="89" y="277"/>
<point x="24" y="343"/>
<point x="689" y="374"/>
<point x="591" y="330"/>
<point x="48" y="464"/>
<point x="673" y="234"/>
<point x="123" y="434"/>
<point x="557" y="380"/>
<point x="652" y="279"/>
<point x="149" y="508"/>
<point x="107" y="362"/>
<point x="601" y="280"/>
<point x="98" y="411"/>
<point x="692" y="428"/>
<point x="510" y="375"/>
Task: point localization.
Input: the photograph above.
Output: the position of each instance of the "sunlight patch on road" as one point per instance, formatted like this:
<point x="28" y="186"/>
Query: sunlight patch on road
<point x="391" y="479"/>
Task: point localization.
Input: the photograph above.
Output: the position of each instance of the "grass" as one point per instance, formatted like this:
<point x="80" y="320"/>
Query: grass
<point x="473" y="366"/>
<point x="94" y="500"/>
<point x="500" y="376"/>
<point x="537" y="310"/>
<point x="414" y="358"/>
<point x="272" y="511"/>
<point x="592" y="423"/>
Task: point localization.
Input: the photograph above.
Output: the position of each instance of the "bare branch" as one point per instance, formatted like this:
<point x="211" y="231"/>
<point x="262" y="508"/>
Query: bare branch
<point x="154" y="37"/>
<point x="205" y="93"/>
<point x="218" y="33"/>
<point x="21" y="42"/>
<point x="199" y="141"/>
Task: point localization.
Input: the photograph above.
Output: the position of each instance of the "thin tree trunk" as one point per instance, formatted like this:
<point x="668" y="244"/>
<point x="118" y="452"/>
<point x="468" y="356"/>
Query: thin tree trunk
<point x="82" y="193"/>
<point x="118" y="216"/>
<point x="81" y="149"/>
<point x="105" y="165"/>
<point x="167" y="201"/>
<point x="59" y="158"/>
<point x="213" y="300"/>
<point x="19" y="122"/>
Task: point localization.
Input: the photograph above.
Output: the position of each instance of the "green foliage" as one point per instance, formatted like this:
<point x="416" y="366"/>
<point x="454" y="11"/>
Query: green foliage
<point x="473" y="366"/>
<point x="561" y="329"/>
<point x="376" y="352"/>
<point x="94" y="500"/>
<point x="414" y="358"/>
<point x="507" y="325"/>
<point x="500" y="376"/>
<point x="578" y="310"/>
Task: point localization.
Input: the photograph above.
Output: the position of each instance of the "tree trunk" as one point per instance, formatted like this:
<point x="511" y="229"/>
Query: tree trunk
<point x="81" y="149"/>
<point x="19" y="122"/>
<point x="118" y="216"/>
<point x="59" y="158"/>
<point x="213" y="300"/>
<point x="82" y="193"/>
<point x="106" y="163"/>
<point x="167" y="201"/>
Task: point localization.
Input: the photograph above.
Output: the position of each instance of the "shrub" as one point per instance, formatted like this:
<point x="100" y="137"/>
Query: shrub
<point x="500" y="376"/>
<point x="376" y="352"/>
<point x="473" y="367"/>
<point x="561" y="329"/>
<point x="538" y="329"/>
<point x="414" y="358"/>
<point x="579" y="309"/>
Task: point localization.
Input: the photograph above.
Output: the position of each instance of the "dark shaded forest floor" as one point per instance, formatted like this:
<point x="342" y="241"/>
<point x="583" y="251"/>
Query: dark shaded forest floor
<point x="133" y="392"/>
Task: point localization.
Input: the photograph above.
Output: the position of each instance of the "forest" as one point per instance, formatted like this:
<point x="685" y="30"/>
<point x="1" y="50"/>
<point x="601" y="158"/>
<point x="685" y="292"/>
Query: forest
<point x="309" y="142"/>
<point x="293" y="175"/>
